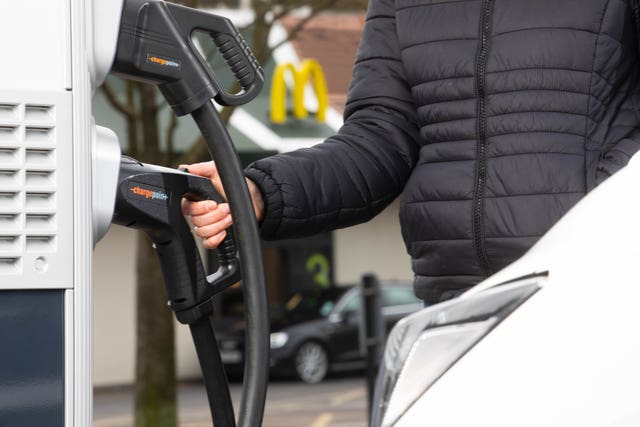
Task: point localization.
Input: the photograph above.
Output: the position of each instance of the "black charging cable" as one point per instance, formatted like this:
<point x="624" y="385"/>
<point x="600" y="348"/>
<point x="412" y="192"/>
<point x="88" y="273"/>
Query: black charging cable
<point x="256" y="364"/>
<point x="155" y="46"/>
<point x="218" y="395"/>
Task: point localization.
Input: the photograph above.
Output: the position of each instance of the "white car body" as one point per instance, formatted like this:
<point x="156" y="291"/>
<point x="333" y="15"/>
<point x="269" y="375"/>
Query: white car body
<point x="570" y="355"/>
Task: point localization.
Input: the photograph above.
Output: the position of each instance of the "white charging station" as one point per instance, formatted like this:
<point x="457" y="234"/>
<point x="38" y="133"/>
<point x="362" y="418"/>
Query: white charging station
<point x="52" y="207"/>
<point x="59" y="176"/>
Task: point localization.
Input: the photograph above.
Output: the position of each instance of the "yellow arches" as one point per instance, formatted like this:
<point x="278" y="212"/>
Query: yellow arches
<point x="309" y="70"/>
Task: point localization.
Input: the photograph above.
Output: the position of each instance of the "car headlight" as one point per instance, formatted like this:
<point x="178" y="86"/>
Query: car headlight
<point x="423" y="346"/>
<point x="279" y="339"/>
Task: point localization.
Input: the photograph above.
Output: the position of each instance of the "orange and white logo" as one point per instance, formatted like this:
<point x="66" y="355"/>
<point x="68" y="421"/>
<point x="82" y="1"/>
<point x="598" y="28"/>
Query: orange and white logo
<point x="164" y="62"/>
<point x="149" y="194"/>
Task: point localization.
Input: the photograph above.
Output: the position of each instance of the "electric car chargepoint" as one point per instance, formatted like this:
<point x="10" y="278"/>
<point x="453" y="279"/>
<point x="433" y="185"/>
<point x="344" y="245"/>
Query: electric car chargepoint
<point x="155" y="46"/>
<point x="148" y="198"/>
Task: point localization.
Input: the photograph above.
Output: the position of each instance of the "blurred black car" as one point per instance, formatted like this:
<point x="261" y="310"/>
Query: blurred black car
<point x="318" y="331"/>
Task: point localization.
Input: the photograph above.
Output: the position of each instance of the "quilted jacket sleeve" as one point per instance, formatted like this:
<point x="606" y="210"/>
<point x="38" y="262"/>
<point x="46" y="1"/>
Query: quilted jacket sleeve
<point x="355" y="174"/>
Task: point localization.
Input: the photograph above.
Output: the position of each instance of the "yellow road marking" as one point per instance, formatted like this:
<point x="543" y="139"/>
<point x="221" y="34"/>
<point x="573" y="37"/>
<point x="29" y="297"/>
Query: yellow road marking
<point x="113" y="422"/>
<point x="347" y="397"/>
<point x="323" y="420"/>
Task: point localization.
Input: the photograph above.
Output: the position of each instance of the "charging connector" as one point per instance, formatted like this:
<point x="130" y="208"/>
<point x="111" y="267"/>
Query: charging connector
<point x="155" y="46"/>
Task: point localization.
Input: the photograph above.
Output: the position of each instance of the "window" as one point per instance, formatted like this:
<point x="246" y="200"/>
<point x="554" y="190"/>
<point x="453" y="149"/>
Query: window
<point x="398" y="296"/>
<point x="350" y="303"/>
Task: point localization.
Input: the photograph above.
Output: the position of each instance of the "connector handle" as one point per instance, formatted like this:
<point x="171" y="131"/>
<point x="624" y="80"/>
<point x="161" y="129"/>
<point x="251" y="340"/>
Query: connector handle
<point x="231" y="45"/>
<point x="243" y="64"/>
<point x="198" y="189"/>
<point x="149" y="198"/>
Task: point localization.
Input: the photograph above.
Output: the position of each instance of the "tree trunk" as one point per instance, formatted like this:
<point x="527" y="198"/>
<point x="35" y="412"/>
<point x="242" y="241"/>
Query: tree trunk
<point x="155" y="390"/>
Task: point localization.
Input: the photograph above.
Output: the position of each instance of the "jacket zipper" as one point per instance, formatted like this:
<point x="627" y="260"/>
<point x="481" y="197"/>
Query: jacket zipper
<point x="481" y="165"/>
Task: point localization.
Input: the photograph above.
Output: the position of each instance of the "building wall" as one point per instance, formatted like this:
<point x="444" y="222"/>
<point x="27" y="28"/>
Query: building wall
<point x="374" y="247"/>
<point x="114" y="324"/>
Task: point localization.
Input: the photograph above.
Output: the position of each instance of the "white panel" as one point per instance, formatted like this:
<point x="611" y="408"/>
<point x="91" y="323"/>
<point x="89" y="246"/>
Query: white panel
<point x="104" y="35"/>
<point x="35" y="44"/>
<point x="36" y="197"/>
<point x="82" y="224"/>
<point x="106" y="167"/>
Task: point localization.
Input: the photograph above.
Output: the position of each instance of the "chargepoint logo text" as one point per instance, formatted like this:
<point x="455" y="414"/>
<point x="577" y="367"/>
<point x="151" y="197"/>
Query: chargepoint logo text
<point x="164" y="62"/>
<point x="148" y="194"/>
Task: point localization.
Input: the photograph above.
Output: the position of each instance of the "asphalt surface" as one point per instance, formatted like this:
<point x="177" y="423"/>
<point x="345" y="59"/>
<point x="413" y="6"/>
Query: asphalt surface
<point x="336" y="402"/>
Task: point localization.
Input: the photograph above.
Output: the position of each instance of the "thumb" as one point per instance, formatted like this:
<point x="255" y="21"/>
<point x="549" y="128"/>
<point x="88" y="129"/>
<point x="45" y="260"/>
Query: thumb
<point x="207" y="170"/>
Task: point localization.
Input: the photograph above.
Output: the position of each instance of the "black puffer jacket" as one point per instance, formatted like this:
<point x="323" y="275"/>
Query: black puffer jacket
<point x="492" y="117"/>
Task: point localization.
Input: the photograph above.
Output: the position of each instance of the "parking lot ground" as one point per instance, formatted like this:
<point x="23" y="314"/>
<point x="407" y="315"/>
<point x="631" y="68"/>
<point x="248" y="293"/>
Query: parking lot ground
<point x="336" y="402"/>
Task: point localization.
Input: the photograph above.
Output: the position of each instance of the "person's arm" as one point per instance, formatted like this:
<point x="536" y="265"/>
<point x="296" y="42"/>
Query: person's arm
<point x="355" y="174"/>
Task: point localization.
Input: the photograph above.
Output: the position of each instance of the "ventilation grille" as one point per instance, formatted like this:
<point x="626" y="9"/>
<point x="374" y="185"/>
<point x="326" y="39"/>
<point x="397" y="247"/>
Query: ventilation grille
<point x="28" y="184"/>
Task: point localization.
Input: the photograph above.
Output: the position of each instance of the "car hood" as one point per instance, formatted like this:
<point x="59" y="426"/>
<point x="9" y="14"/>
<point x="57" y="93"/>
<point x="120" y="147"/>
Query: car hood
<point x="558" y="357"/>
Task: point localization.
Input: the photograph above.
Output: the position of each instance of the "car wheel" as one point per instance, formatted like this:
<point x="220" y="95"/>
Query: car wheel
<point x="311" y="362"/>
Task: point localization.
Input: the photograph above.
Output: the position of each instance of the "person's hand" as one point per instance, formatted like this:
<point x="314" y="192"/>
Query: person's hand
<point x="211" y="219"/>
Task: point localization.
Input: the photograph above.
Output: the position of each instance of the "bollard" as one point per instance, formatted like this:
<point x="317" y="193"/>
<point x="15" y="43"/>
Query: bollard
<point x="372" y="332"/>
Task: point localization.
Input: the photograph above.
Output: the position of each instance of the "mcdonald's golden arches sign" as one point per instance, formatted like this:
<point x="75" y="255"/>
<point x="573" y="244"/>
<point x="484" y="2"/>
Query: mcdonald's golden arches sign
<point x="309" y="71"/>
